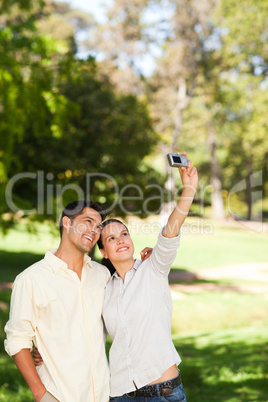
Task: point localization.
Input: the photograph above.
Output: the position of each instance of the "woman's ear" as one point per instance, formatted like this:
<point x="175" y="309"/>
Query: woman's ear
<point x="103" y="253"/>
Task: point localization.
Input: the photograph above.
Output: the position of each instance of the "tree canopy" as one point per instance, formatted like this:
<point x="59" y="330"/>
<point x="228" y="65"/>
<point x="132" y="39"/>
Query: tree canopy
<point x="63" y="126"/>
<point x="67" y="121"/>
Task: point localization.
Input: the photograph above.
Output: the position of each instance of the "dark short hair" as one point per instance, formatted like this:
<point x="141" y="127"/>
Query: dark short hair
<point x="106" y="223"/>
<point x="75" y="208"/>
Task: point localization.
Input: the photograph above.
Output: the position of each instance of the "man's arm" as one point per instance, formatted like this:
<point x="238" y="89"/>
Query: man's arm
<point x="20" y="331"/>
<point x="25" y="364"/>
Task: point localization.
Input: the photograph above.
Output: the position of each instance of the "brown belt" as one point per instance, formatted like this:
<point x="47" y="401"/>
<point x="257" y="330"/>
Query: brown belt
<point x="165" y="388"/>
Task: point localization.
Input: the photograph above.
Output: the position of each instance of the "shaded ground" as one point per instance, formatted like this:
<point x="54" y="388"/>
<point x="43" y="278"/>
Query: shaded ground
<point x="255" y="274"/>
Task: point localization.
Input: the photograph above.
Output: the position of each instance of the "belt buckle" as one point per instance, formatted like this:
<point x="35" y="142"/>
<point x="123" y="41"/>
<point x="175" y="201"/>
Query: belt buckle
<point x="132" y="396"/>
<point x="166" y="391"/>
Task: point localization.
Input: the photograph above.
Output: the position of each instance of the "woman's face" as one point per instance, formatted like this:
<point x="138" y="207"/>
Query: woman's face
<point x="117" y="243"/>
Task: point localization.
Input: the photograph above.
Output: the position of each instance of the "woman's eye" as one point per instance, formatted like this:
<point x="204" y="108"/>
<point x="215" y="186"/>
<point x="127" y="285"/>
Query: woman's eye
<point x="111" y="238"/>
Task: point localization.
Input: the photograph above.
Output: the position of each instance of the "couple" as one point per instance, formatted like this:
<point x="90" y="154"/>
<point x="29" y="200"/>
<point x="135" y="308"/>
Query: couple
<point x="60" y="303"/>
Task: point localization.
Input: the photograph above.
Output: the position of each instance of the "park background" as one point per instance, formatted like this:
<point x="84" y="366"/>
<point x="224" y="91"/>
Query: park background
<point x="103" y="101"/>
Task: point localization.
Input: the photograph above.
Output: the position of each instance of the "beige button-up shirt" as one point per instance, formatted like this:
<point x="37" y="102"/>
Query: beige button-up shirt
<point x="61" y="315"/>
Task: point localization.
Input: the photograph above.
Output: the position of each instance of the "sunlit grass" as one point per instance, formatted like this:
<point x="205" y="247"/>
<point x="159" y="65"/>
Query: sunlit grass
<point x="209" y="311"/>
<point x="228" y="365"/>
<point x="220" y="245"/>
<point x="18" y="239"/>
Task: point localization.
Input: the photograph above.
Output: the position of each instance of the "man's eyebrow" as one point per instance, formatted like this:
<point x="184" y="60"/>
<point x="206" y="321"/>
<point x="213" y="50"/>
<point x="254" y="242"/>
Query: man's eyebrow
<point x="93" y="219"/>
<point x="89" y="217"/>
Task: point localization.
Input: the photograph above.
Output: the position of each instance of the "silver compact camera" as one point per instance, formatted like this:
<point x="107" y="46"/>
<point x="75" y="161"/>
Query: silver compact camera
<point x="177" y="160"/>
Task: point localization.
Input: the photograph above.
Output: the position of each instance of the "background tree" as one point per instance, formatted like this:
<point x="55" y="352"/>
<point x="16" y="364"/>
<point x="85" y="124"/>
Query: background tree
<point x="243" y="78"/>
<point x="207" y="94"/>
<point x="26" y="80"/>
<point x="68" y="123"/>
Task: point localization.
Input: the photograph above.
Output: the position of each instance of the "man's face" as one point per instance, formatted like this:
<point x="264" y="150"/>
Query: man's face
<point x="84" y="230"/>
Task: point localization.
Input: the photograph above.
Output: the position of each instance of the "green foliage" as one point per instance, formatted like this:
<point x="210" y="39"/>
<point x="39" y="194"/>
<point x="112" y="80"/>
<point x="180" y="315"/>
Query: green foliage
<point x="244" y="54"/>
<point x="219" y="50"/>
<point x="7" y="5"/>
<point x="62" y="121"/>
<point x="67" y="117"/>
<point x="25" y="79"/>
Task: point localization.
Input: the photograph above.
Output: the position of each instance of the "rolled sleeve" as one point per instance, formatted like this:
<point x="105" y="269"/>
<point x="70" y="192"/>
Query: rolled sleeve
<point x="20" y="329"/>
<point x="164" y="254"/>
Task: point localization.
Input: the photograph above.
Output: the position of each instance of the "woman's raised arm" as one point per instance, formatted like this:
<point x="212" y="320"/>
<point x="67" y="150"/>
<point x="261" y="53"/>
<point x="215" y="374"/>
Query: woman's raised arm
<point x="189" y="178"/>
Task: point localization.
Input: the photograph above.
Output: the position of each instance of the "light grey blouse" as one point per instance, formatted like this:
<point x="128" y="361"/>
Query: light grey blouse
<point x="137" y="315"/>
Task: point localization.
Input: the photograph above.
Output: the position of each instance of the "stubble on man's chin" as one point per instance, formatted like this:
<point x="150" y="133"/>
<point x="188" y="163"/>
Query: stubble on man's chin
<point x="87" y="249"/>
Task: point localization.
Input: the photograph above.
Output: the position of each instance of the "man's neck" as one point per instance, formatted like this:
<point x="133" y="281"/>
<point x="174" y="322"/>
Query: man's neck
<point x="73" y="258"/>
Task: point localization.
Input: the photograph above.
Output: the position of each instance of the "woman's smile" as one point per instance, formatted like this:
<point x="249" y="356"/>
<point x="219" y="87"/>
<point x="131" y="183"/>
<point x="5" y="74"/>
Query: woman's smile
<point x="121" y="249"/>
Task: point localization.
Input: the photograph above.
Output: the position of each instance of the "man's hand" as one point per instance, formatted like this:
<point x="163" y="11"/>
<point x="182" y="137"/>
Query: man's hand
<point x="37" y="357"/>
<point x="145" y="253"/>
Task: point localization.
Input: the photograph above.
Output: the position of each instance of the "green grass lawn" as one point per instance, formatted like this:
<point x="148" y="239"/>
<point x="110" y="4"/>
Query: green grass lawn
<point x="221" y="335"/>
<point x="220" y="245"/>
<point x="210" y="311"/>
<point x="227" y="366"/>
<point x="209" y="245"/>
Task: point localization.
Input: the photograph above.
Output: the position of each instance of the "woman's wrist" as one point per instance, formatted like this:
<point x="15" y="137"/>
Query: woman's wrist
<point x="188" y="192"/>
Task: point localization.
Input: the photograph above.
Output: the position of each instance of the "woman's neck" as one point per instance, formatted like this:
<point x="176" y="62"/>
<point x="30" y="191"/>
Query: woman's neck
<point x="123" y="267"/>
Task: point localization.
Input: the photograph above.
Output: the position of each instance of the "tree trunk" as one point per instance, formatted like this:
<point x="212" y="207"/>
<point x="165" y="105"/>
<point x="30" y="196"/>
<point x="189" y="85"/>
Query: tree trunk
<point x="215" y="178"/>
<point x="182" y="103"/>
<point x="170" y="186"/>
<point x="249" y="190"/>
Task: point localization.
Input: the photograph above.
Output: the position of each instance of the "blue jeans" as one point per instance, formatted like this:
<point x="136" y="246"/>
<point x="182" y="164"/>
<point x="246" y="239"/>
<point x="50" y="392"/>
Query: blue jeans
<point x="177" y="395"/>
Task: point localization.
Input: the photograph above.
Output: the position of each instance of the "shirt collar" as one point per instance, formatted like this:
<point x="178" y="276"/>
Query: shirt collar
<point x="56" y="263"/>
<point x="136" y="265"/>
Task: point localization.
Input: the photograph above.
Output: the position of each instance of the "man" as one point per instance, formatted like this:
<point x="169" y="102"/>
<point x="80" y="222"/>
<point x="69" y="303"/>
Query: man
<point x="57" y="304"/>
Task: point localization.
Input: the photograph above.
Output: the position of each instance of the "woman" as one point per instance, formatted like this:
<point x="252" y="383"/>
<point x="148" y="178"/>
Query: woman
<point x="137" y="308"/>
